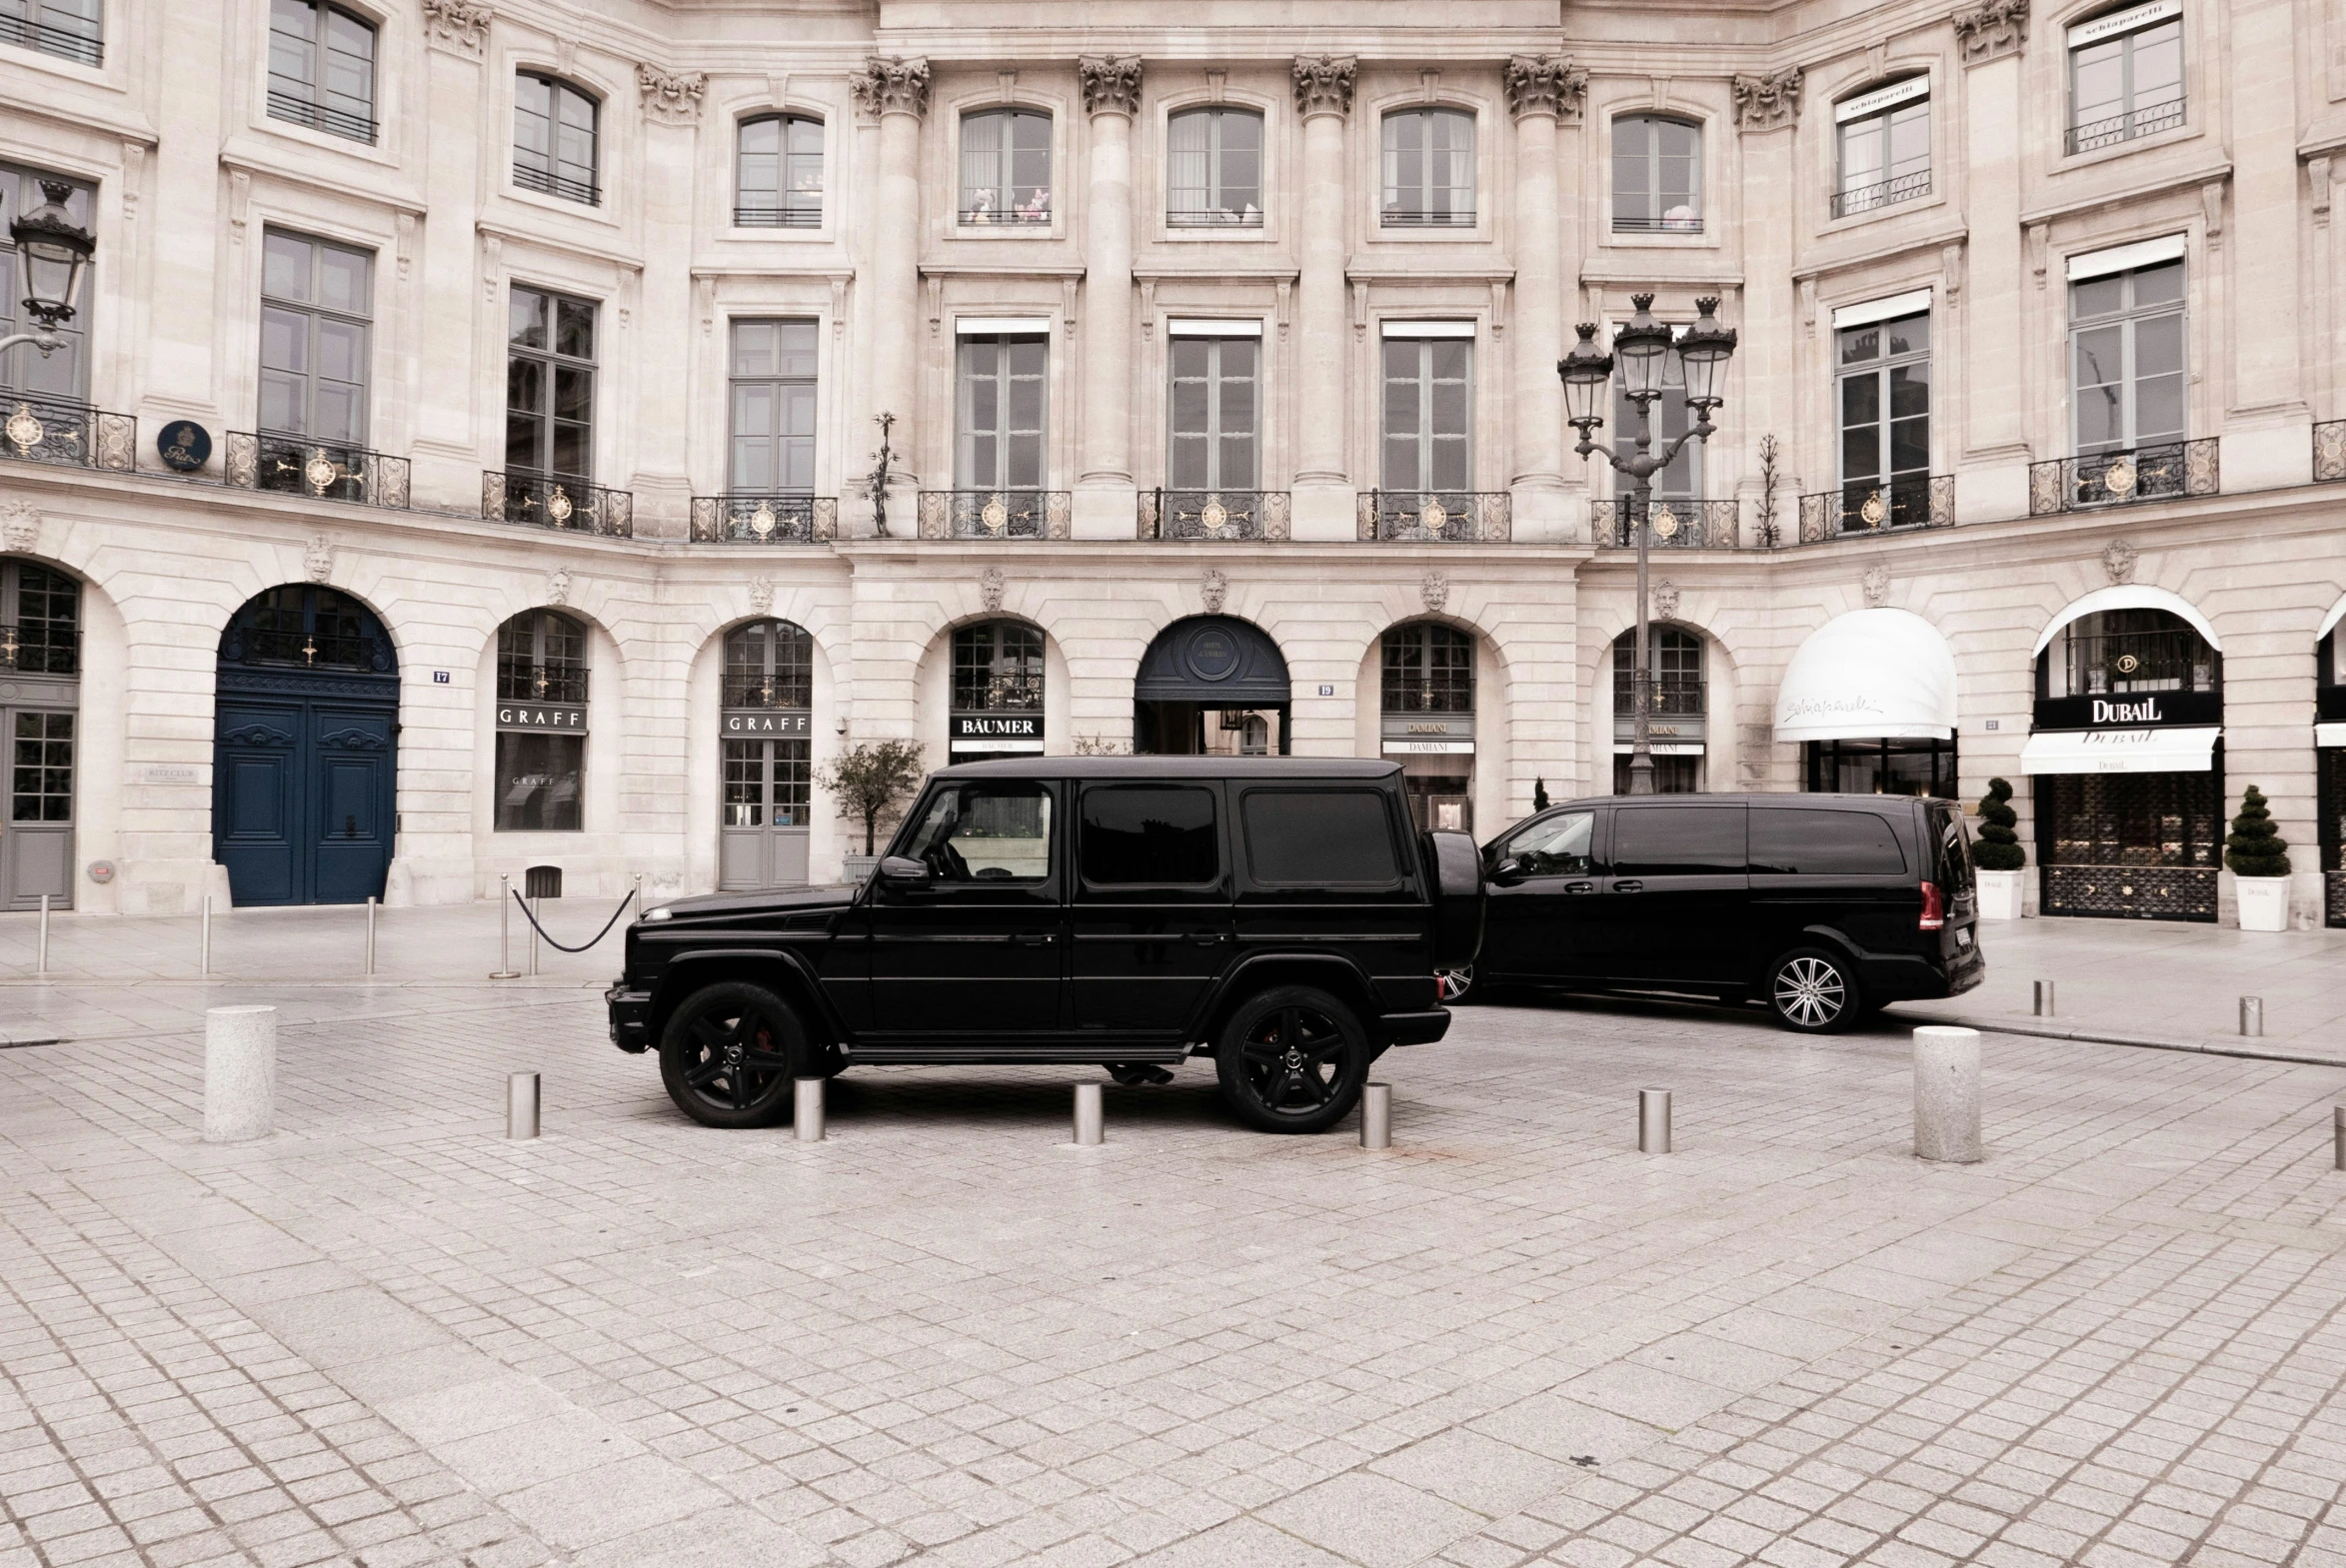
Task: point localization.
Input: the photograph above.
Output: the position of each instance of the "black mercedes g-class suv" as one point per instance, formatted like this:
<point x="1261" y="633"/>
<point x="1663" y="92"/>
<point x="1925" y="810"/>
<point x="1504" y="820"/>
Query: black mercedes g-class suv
<point x="1274" y="914"/>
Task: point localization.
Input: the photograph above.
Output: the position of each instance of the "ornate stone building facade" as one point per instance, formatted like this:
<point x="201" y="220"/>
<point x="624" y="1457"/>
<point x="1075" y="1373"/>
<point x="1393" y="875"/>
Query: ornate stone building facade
<point x="505" y="434"/>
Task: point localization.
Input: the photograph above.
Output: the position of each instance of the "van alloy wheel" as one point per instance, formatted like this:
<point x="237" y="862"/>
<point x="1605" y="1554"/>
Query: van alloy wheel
<point x="1293" y="1060"/>
<point x="1812" y="991"/>
<point x="1454" y="985"/>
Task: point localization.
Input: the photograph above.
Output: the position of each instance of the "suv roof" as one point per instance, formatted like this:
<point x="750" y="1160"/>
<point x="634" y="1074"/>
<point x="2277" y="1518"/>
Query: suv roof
<point x="1176" y="767"/>
<point x="1802" y="798"/>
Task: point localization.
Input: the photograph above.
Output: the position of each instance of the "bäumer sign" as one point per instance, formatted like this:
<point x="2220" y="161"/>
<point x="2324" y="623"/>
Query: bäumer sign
<point x="541" y="716"/>
<point x="997" y="731"/>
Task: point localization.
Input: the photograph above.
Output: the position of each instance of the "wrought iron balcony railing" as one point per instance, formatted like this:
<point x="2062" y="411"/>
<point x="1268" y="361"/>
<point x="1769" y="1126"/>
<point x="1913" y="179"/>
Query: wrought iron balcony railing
<point x="41" y="647"/>
<point x="523" y="680"/>
<point x="2116" y="128"/>
<point x="2329" y="449"/>
<point x="790" y="214"/>
<point x="34" y="429"/>
<point x="1213" y="513"/>
<point x="321" y="117"/>
<point x="995" y="514"/>
<point x="1667" y="697"/>
<point x="1246" y="217"/>
<point x="2110" y="478"/>
<point x="1677" y="523"/>
<point x="1030" y="216"/>
<point x="532" y="178"/>
<point x="78" y="43"/>
<point x="975" y="691"/>
<point x="1412" y="218"/>
<point x="1448" y="517"/>
<point x="1883" y="193"/>
<point x="324" y="470"/>
<point x="2121" y="664"/>
<point x="765" y="520"/>
<point x="1684" y="223"/>
<point x="1875" y="506"/>
<point x="558" y="500"/>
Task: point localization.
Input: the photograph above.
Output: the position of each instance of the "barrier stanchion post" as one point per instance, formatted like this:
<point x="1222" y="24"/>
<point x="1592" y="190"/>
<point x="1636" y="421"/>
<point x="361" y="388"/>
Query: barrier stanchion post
<point x="2338" y="1136"/>
<point x="204" y="940"/>
<point x="240" y="1074"/>
<point x="1653" y="1122"/>
<point x="1377" y="1117"/>
<point x="1946" y="1094"/>
<point x="504" y="968"/>
<point x="536" y="908"/>
<point x="806" y="1111"/>
<point x="370" y="935"/>
<point x="521" y="1104"/>
<point x="1090" y="1118"/>
<point x="41" y="953"/>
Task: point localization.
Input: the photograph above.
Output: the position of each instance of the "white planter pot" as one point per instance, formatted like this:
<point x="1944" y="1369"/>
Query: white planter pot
<point x="1999" y="893"/>
<point x="2264" y="903"/>
<point x="855" y="870"/>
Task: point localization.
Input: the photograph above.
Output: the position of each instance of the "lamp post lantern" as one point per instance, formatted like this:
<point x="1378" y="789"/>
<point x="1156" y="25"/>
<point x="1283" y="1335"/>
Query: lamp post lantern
<point x="54" y="256"/>
<point x="1641" y="348"/>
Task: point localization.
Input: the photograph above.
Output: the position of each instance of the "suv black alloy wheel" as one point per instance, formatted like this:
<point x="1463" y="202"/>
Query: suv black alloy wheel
<point x="1293" y="1060"/>
<point x="727" y="1055"/>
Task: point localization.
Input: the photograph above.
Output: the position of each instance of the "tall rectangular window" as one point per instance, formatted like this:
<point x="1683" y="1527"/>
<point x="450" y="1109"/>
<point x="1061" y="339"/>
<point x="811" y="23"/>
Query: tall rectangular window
<point x="1002" y="403"/>
<point x="550" y="384"/>
<point x="1429" y="169"/>
<point x="1215" y="392"/>
<point x="1005" y="167"/>
<point x="321" y="68"/>
<point x="65" y="27"/>
<point x="1213" y="169"/>
<point x="62" y="377"/>
<point x="772" y="389"/>
<point x="1428" y="402"/>
<point x="778" y="178"/>
<point x="1658" y="176"/>
<point x="2126" y="356"/>
<point x="1884" y="381"/>
<point x="1682" y="480"/>
<point x="1884" y="147"/>
<point x="2126" y="75"/>
<point x="554" y="139"/>
<point x="316" y="304"/>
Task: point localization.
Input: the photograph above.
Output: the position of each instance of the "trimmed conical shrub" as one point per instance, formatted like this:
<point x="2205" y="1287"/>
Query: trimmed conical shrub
<point x="1997" y="849"/>
<point x="2256" y="847"/>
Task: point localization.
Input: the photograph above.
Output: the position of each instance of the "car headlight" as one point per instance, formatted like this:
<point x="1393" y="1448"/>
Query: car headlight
<point x="664" y="913"/>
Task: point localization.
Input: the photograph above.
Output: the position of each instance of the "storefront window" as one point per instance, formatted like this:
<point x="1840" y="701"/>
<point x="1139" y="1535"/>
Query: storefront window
<point x="541" y="722"/>
<point x="1677" y="713"/>
<point x="538" y="781"/>
<point x="1882" y="767"/>
<point x="997" y="690"/>
<point x="1428" y="691"/>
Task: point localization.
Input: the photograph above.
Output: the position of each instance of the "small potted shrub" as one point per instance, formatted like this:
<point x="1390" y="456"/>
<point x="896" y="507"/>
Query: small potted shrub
<point x="1996" y="857"/>
<point x="2259" y="859"/>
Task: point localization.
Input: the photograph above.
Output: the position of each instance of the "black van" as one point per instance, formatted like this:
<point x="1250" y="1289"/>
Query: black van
<point x="1825" y="907"/>
<point x="1275" y="913"/>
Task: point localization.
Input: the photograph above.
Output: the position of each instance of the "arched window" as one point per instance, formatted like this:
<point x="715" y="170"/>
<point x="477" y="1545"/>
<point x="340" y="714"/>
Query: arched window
<point x="40" y="619"/>
<point x="769" y="664"/>
<point x="1428" y="669"/>
<point x="778" y="173"/>
<point x="1428" y="169"/>
<point x="998" y="668"/>
<point x="1213" y="169"/>
<point x="1006" y="166"/>
<point x="322" y="68"/>
<point x="554" y="139"/>
<point x="1676" y="706"/>
<point x="2128" y="654"/>
<point x="316" y="627"/>
<point x="1657" y="175"/>
<point x="542" y="658"/>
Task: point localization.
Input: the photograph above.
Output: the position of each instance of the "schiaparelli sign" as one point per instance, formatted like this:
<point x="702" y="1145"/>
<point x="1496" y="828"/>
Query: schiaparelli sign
<point x="541" y="716"/>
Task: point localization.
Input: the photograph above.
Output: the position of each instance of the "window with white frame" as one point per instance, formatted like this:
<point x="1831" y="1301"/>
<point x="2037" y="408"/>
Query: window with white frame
<point x="772" y="387"/>
<point x="2127" y="360"/>
<point x="1428" y="413"/>
<point x="316" y="311"/>
<point x="554" y="139"/>
<point x="778" y="173"/>
<point x="1882" y="381"/>
<point x="1005" y="167"/>
<point x="1657" y="175"/>
<point x="1002" y="404"/>
<point x="2125" y="75"/>
<point x="550" y="384"/>
<point x="1428" y="169"/>
<point x="66" y="29"/>
<point x="1682" y="480"/>
<point x="1884" y="147"/>
<point x="1213" y="169"/>
<point x="1215" y="396"/>
<point x="321" y="68"/>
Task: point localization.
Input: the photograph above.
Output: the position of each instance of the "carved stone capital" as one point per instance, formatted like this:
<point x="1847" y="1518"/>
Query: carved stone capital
<point x="1991" y="30"/>
<point x="456" y="26"/>
<point x="1111" y="83"/>
<point x="671" y="97"/>
<point x="1545" y="84"/>
<point x="1770" y="102"/>
<point x="892" y="86"/>
<point x="1323" y="84"/>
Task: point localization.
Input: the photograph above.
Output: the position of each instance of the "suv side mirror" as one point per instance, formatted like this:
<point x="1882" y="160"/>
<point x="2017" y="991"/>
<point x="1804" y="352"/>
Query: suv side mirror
<point x="902" y="869"/>
<point x="1510" y="871"/>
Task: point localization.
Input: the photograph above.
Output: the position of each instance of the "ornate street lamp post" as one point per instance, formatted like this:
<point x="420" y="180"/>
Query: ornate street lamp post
<point x="1642" y="347"/>
<point x="55" y="254"/>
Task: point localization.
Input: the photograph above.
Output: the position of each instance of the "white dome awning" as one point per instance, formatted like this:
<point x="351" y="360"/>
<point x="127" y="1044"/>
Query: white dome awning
<point x="1870" y="675"/>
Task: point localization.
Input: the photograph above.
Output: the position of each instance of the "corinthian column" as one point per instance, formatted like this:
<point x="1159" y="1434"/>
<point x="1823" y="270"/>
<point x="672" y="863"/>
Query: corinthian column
<point x="1540" y="91"/>
<point x="1105" y="493"/>
<point x="895" y="91"/>
<point x="1322" y="489"/>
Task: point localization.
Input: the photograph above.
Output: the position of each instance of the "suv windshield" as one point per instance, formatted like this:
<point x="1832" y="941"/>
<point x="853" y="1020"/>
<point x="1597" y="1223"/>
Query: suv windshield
<point x="986" y="833"/>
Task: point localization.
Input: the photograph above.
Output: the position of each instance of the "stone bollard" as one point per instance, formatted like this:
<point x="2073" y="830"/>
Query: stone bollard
<point x="1653" y="1122"/>
<point x="806" y="1111"/>
<point x="240" y="1074"/>
<point x="1946" y="1094"/>
<point x="1090" y="1118"/>
<point x="521" y="1104"/>
<point x="1377" y="1117"/>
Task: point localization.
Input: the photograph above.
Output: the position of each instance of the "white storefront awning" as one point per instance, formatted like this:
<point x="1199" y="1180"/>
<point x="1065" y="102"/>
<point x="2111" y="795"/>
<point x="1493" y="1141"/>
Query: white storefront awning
<point x="1870" y="675"/>
<point x="2185" y="749"/>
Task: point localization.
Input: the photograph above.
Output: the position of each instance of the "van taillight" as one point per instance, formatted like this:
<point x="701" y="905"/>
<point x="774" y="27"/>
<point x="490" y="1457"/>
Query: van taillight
<point x="1934" y="908"/>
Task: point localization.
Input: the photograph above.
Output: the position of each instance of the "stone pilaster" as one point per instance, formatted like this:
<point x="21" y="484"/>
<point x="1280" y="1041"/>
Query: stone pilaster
<point x="897" y="92"/>
<point x="1540" y="90"/>
<point x="1322" y="487"/>
<point x="1104" y="492"/>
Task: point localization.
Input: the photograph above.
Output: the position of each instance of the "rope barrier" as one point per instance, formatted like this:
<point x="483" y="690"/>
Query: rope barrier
<point x="583" y="946"/>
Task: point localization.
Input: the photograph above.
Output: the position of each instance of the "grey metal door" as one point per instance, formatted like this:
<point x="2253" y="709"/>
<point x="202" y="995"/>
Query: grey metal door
<point x="36" y="841"/>
<point x="762" y="834"/>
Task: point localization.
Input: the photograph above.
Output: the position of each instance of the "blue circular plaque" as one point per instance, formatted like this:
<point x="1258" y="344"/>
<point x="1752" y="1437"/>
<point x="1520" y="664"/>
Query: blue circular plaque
<point x="184" y="446"/>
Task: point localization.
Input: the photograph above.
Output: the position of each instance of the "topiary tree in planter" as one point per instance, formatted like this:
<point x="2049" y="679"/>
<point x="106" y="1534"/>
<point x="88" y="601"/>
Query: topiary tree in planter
<point x="1997" y="849"/>
<point x="2256" y="847"/>
<point x="1540" y="794"/>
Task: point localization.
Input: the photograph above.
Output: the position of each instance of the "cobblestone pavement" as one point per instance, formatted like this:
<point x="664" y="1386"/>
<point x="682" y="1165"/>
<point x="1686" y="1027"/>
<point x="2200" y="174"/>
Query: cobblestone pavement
<point x="387" y="1336"/>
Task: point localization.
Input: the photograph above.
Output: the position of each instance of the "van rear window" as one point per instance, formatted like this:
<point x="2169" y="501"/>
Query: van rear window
<point x="1319" y="837"/>
<point x="1792" y="841"/>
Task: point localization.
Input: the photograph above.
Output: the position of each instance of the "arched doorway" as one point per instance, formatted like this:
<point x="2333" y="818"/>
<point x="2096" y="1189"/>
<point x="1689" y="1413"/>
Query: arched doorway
<point x="305" y="749"/>
<point x="765" y="735"/>
<point x="1677" y="712"/>
<point x="997" y="691"/>
<point x="1212" y="685"/>
<point x="40" y="711"/>
<point x="1427" y="684"/>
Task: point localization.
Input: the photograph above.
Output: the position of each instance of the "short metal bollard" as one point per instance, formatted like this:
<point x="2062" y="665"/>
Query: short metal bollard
<point x="1377" y="1117"/>
<point x="521" y="1104"/>
<point x="370" y="935"/>
<point x="240" y="1074"/>
<point x="806" y="1110"/>
<point x="1090" y="1118"/>
<point x="2252" y="1017"/>
<point x="2338" y="1136"/>
<point x="1653" y="1122"/>
<point x="2044" y="1000"/>
<point x="41" y="953"/>
<point x="505" y="970"/>
<point x="1946" y="1094"/>
<point x="204" y="941"/>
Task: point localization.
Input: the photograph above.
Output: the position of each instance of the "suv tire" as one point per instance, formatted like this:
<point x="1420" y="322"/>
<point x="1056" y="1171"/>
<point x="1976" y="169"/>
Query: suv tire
<point x="1456" y="986"/>
<point x="729" y="1053"/>
<point x="1292" y="1060"/>
<point x="1815" y="991"/>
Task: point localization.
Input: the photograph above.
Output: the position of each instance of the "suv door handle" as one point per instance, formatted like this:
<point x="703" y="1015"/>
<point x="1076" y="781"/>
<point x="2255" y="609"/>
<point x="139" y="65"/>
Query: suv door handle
<point x="1631" y="886"/>
<point x="1206" y="938"/>
<point x="1033" y="939"/>
<point x="1580" y="886"/>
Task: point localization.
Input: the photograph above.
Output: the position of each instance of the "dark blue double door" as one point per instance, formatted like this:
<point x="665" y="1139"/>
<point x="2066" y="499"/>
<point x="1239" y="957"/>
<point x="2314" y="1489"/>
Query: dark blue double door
<point x="302" y="796"/>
